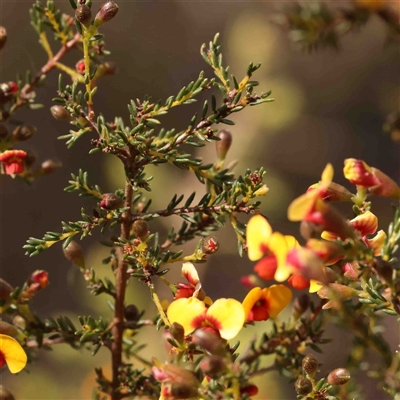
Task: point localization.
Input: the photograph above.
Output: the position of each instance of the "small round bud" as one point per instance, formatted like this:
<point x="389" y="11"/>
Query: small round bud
<point x="177" y="332"/>
<point x="5" y="394"/>
<point x="131" y="312"/>
<point x="213" y="366"/>
<point x="179" y="390"/>
<point x="224" y="144"/>
<point x="111" y="201"/>
<point x="5" y="289"/>
<point x="303" y="386"/>
<point x="3" y="36"/>
<point x="83" y="15"/>
<point x="209" y="245"/>
<point x="106" y="13"/>
<point x="49" y="166"/>
<point x="60" y="113"/>
<point x="310" y="365"/>
<point x="3" y="131"/>
<point x="300" y="305"/>
<point x="141" y="229"/>
<point x="23" y="132"/>
<point x="209" y="341"/>
<point x="249" y="390"/>
<point x="339" y="376"/>
<point x="73" y="252"/>
<point x="80" y="66"/>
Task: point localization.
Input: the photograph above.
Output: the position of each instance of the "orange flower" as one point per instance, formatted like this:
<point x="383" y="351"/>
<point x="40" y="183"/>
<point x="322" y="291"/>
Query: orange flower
<point x="13" y="161"/>
<point x="225" y="316"/>
<point x="261" y="304"/>
<point x="12" y="353"/>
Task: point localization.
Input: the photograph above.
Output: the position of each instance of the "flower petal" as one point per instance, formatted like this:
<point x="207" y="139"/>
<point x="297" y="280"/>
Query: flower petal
<point x="185" y="312"/>
<point x="302" y="206"/>
<point x="377" y="242"/>
<point x="258" y="234"/>
<point x="314" y="286"/>
<point x="278" y="297"/>
<point x="266" y="268"/>
<point x="14" y="354"/>
<point x="252" y="297"/>
<point x="190" y="273"/>
<point x="278" y="245"/>
<point x="366" y="223"/>
<point x="230" y="314"/>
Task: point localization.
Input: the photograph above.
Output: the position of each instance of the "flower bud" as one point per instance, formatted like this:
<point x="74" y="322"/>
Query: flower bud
<point x="179" y="391"/>
<point x="49" y="166"/>
<point x="177" y="332"/>
<point x="60" y="113"/>
<point x="224" y="144"/>
<point x="80" y="66"/>
<point x="5" y="289"/>
<point x="3" y="36"/>
<point x="73" y="252"/>
<point x="300" y="305"/>
<point x="384" y="270"/>
<point x="108" y="68"/>
<point x="107" y="12"/>
<point x="141" y="229"/>
<point x="209" y="245"/>
<point x="339" y="376"/>
<point x="310" y="365"/>
<point x="41" y="277"/>
<point x="249" y="390"/>
<point x="303" y="386"/>
<point x="213" y="366"/>
<point x="83" y="15"/>
<point x="5" y="394"/>
<point x="111" y="201"/>
<point x="209" y="341"/>
<point x="30" y="159"/>
<point x="23" y="132"/>
<point x="3" y="131"/>
<point x="131" y="312"/>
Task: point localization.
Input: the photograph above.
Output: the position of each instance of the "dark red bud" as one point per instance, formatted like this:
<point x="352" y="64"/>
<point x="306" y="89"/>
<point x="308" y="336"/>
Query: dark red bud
<point x="23" y="132"/>
<point x="339" y="376"/>
<point x="209" y="341"/>
<point x="303" y="386"/>
<point x="131" y="312"/>
<point x="5" y="289"/>
<point x="177" y="332"/>
<point x="83" y="15"/>
<point x="106" y="13"/>
<point x="111" y="201"/>
<point x="49" y="166"/>
<point x="213" y="366"/>
<point x="5" y="394"/>
<point x="310" y="365"/>
<point x="300" y="305"/>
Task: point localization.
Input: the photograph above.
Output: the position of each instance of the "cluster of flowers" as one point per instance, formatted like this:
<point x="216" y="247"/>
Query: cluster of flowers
<point x="330" y="238"/>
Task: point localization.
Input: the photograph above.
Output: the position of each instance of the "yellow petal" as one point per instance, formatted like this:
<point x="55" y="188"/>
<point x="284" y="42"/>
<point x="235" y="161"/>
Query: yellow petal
<point x="231" y="316"/>
<point x="279" y="247"/>
<point x="258" y="234"/>
<point x="314" y="286"/>
<point x="184" y="312"/>
<point x="14" y="354"/>
<point x="278" y="297"/>
<point x="252" y="297"/>
<point x="327" y="174"/>
<point x="301" y="206"/>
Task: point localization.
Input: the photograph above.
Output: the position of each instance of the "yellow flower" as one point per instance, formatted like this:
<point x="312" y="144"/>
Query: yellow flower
<point x="12" y="353"/>
<point x="261" y="304"/>
<point x="225" y="316"/>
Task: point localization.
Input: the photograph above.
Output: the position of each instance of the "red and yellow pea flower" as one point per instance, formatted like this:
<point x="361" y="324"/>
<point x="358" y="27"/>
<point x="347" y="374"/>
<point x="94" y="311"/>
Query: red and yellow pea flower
<point x="13" y="161"/>
<point x="311" y="207"/>
<point x="225" y="317"/>
<point x="262" y="304"/>
<point x="12" y="354"/>
<point x="277" y="248"/>
<point x="193" y="287"/>
<point x="361" y="174"/>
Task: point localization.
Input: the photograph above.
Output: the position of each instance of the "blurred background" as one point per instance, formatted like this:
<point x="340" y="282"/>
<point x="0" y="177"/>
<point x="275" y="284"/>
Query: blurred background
<point x="329" y="106"/>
